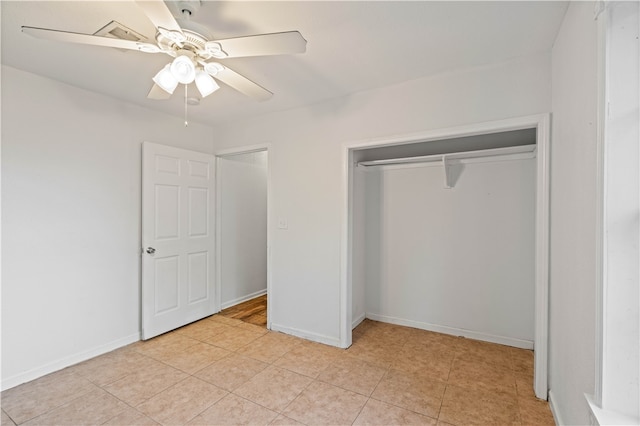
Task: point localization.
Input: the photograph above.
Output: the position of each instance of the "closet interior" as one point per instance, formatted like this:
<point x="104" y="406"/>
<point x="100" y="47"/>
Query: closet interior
<point x="443" y="236"/>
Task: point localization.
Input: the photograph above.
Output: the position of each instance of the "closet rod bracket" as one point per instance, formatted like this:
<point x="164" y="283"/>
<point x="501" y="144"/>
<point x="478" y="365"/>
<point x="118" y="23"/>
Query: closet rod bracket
<point x="448" y="183"/>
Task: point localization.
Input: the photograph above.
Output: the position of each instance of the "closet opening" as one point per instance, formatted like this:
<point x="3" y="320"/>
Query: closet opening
<point x="448" y="232"/>
<point x="242" y="239"/>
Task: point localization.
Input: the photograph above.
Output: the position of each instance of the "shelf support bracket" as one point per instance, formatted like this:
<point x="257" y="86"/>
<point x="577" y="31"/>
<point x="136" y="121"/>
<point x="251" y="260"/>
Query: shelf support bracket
<point x="447" y="172"/>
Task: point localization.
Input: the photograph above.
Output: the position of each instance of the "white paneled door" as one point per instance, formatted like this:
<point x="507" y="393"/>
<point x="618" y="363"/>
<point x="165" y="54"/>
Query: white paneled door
<point x="177" y="238"/>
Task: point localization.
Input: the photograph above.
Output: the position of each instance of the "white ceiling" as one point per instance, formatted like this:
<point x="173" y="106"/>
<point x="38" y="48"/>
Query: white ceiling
<point x="352" y="46"/>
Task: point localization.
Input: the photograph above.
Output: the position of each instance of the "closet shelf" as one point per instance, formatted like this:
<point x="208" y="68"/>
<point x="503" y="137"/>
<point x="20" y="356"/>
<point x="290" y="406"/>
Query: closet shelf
<point x="444" y="158"/>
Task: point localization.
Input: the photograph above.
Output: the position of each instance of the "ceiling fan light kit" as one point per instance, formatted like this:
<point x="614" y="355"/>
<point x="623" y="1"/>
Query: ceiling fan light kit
<point x="205" y="83"/>
<point x="183" y="69"/>
<point x="166" y="80"/>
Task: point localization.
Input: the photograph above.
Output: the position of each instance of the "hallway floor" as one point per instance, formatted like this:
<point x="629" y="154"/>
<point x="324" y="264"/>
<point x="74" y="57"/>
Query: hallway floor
<point x="221" y="370"/>
<point x="253" y="311"/>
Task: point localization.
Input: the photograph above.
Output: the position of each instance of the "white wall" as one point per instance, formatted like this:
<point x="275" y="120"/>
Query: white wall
<point x="243" y="234"/>
<point x="71" y="170"/>
<point x="307" y="169"/>
<point x="459" y="260"/>
<point x="361" y="238"/>
<point x="573" y="214"/>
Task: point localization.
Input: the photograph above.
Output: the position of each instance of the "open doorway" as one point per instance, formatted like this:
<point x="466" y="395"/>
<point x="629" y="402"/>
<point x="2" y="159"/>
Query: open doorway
<point x="242" y="255"/>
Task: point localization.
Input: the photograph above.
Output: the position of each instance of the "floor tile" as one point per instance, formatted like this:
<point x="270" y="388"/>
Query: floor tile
<point x="390" y="375"/>
<point x="194" y="358"/>
<point x="522" y="362"/>
<point x="374" y="353"/>
<point x="489" y="353"/>
<point x="273" y="388"/>
<point x="110" y="367"/>
<point x="307" y="360"/>
<point x="411" y="392"/>
<point x="93" y="408"/>
<point x="234" y="410"/>
<point x="182" y="402"/>
<point x="234" y="339"/>
<point x="254" y="327"/>
<point x="131" y="417"/>
<point x="285" y="421"/>
<point x="231" y="372"/>
<point x="359" y="332"/>
<point x="353" y="374"/>
<point x="429" y="362"/>
<point x="524" y="388"/>
<point x="424" y="338"/>
<point x="145" y="383"/>
<point x="6" y="420"/>
<point x="535" y="412"/>
<point x="269" y="347"/>
<point x="165" y="345"/>
<point x="203" y="329"/>
<point x="324" y="404"/>
<point x="225" y="320"/>
<point x="325" y="349"/>
<point x="39" y="396"/>
<point x="482" y="376"/>
<point x="379" y="413"/>
<point x="387" y="334"/>
<point x="469" y="407"/>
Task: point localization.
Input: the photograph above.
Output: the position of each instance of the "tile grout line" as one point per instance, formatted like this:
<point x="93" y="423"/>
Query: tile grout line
<point x="124" y="402"/>
<point x="515" y="384"/>
<point x="446" y="384"/>
<point x="294" y="399"/>
<point x="60" y="405"/>
<point x="372" y="392"/>
<point x="270" y="364"/>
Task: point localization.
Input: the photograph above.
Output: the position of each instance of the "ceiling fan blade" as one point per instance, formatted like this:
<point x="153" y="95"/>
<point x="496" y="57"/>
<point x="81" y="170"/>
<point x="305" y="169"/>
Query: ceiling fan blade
<point x="157" y="93"/>
<point x="264" y="44"/>
<point x="243" y="84"/>
<point x="89" y="39"/>
<point x="159" y="14"/>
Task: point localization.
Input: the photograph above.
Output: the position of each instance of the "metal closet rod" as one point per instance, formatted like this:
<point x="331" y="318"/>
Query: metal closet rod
<point x="492" y="152"/>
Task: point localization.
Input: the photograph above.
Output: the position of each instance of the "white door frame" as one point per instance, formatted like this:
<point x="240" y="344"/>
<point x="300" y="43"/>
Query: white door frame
<point x="219" y="156"/>
<point x="539" y="122"/>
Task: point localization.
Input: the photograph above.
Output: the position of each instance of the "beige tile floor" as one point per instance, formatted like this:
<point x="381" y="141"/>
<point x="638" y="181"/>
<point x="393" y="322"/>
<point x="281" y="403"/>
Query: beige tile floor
<point x="223" y="371"/>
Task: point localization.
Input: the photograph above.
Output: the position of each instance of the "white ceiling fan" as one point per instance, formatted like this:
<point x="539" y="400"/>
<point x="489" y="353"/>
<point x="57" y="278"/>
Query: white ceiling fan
<point x="193" y="50"/>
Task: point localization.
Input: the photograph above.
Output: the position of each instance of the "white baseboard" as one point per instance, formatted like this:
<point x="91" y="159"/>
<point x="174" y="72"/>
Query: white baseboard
<point x="57" y="365"/>
<point x="319" y="338"/>
<point x="554" y="408"/>
<point x="356" y="322"/>
<point x="242" y="299"/>
<point x="601" y="417"/>
<point x="509" y="341"/>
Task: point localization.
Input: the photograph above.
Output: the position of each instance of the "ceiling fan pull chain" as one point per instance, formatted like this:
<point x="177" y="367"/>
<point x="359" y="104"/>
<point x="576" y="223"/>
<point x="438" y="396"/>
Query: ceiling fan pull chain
<point x="186" y="123"/>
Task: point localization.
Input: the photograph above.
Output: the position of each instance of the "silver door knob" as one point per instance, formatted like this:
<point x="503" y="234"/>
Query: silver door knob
<point x="151" y="250"/>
